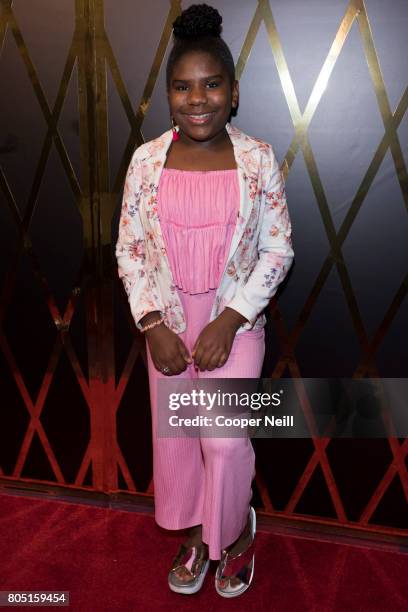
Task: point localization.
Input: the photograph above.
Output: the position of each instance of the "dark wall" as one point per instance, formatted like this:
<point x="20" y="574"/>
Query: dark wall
<point x="82" y="85"/>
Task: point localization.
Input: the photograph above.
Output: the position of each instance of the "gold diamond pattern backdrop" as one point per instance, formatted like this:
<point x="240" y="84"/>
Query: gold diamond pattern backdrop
<point x="82" y="86"/>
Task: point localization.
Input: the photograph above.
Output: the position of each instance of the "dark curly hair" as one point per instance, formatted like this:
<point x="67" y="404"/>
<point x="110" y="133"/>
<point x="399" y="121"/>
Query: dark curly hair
<point x="198" y="28"/>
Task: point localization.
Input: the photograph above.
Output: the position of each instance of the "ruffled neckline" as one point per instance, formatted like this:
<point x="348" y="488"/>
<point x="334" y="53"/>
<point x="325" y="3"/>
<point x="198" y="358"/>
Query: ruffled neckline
<point x="198" y="172"/>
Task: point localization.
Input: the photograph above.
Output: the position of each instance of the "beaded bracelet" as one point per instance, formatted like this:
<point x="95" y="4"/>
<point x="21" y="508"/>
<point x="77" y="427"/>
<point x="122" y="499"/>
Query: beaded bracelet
<point x="143" y="329"/>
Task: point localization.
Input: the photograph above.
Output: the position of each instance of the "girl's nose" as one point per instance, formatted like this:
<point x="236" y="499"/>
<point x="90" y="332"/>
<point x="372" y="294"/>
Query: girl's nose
<point x="198" y="95"/>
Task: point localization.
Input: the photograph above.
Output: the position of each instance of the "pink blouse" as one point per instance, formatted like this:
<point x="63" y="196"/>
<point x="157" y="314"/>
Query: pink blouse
<point x="197" y="211"/>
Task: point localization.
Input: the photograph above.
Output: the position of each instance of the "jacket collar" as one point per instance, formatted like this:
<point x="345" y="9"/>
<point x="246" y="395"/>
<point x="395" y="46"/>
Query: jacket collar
<point x="159" y="146"/>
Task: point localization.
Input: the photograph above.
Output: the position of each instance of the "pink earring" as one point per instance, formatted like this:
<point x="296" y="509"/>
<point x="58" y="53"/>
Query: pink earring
<point x="176" y="130"/>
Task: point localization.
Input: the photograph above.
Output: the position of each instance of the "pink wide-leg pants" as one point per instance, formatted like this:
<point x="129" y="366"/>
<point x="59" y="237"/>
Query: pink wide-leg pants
<point x="205" y="480"/>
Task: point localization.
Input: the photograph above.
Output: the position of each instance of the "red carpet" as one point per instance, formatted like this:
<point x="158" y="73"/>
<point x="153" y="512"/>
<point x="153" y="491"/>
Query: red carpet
<point x="112" y="560"/>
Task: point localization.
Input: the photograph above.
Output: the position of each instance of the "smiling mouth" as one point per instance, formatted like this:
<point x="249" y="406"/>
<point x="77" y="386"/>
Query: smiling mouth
<point x="199" y="118"/>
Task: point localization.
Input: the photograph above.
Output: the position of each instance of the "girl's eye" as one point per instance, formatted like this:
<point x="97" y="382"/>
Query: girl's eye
<point x="211" y="84"/>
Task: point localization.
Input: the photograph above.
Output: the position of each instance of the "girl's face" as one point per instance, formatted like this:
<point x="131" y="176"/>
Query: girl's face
<point x="200" y="96"/>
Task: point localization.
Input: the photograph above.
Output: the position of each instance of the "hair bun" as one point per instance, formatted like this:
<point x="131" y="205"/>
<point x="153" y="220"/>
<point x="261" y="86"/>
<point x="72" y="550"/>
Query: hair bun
<point x="196" y="21"/>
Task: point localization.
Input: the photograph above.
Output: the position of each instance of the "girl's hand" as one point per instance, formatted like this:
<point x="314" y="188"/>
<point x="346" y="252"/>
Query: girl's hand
<point x="167" y="349"/>
<point x="213" y="345"/>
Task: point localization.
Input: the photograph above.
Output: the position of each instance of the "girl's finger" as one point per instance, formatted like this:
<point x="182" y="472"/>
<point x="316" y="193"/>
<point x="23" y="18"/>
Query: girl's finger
<point x="195" y="347"/>
<point x="184" y="353"/>
<point x="223" y="359"/>
<point x="210" y="359"/>
<point x="161" y="367"/>
<point x="197" y="353"/>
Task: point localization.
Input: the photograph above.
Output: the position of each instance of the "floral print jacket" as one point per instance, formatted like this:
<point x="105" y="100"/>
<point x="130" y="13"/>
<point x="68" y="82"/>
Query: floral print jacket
<point x="260" y="253"/>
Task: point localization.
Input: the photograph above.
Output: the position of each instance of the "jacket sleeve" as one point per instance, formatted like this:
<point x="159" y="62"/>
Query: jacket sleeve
<point x="275" y="253"/>
<point x="131" y="249"/>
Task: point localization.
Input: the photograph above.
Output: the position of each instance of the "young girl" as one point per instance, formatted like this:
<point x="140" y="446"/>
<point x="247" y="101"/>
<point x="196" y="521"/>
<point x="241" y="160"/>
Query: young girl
<point x="204" y="241"/>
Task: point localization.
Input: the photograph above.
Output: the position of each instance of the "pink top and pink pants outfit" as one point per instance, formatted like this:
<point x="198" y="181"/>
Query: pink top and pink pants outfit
<point x="203" y="480"/>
